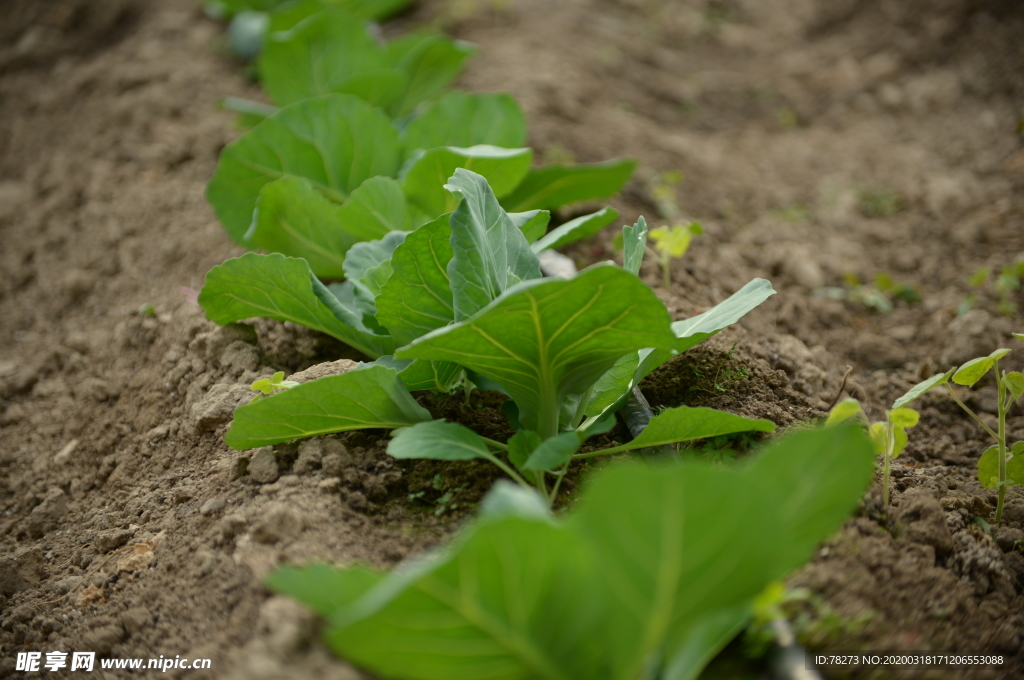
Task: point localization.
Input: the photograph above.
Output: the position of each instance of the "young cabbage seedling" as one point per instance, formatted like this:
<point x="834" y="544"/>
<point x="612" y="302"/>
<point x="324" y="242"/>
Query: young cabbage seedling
<point x="1000" y="466"/>
<point x="275" y="383"/>
<point x="888" y="437"/>
<point x="672" y="243"/>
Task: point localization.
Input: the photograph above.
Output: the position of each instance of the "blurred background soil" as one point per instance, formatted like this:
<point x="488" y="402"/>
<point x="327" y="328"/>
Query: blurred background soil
<point x="865" y="156"/>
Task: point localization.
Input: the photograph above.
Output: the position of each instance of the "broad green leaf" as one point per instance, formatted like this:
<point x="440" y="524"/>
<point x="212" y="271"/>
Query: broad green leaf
<point x="250" y="113"/>
<point x="533" y="223"/>
<point x="316" y="55"/>
<point x="697" y="329"/>
<point x="426" y="172"/>
<point x="973" y="371"/>
<point x="489" y="253"/>
<point x="998" y="353"/>
<point x="668" y="562"/>
<point x="613" y="385"/>
<point x="358" y="302"/>
<point x="371" y="397"/>
<point x="543" y="340"/>
<point x="1017" y="448"/>
<point x="576" y="229"/>
<point x="293" y="219"/>
<point x="1015" y="469"/>
<point x="702" y="641"/>
<point x="284" y="288"/>
<point x="922" y="387"/>
<point x="464" y="119"/>
<point x="553" y="186"/>
<point x="684" y="423"/>
<point x="634" y="241"/>
<point x="336" y="142"/>
<point x="321" y="587"/>
<point x="988" y="468"/>
<point x="899" y="440"/>
<point x="287" y="14"/>
<point x="381" y="88"/>
<point x="430" y="61"/>
<point x="843" y="411"/>
<point x="1019" y="336"/>
<point x="419" y="374"/>
<point x="438" y="440"/>
<point x="904" y="417"/>
<point x="516" y="599"/>
<point x="506" y="500"/>
<point x="364" y="257"/>
<point x="374" y="208"/>
<point x="521" y="445"/>
<point x="879" y="433"/>
<point x="1015" y="383"/>
<point x="553" y="453"/>
<point x="418" y="298"/>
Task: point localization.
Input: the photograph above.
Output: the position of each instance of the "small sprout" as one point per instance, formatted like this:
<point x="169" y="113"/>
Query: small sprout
<point x="889" y="437"/>
<point x="878" y="203"/>
<point x="275" y="383"/>
<point x="878" y="295"/>
<point x="1005" y="286"/>
<point x="672" y="243"/>
<point x="1000" y="466"/>
<point x="147" y="310"/>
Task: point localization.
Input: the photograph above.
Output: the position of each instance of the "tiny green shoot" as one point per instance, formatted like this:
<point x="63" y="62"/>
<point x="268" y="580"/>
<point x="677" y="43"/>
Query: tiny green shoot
<point x="672" y="243"/>
<point x="275" y="383"/>
<point x="888" y="437"/>
<point x="1001" y="465"/>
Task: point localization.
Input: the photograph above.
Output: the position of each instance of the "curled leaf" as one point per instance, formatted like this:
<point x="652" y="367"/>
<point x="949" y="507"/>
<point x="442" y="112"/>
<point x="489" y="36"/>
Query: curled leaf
<point x="844" y="410"/>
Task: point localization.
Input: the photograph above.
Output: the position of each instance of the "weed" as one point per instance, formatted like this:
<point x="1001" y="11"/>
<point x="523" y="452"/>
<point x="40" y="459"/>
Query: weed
<point x="1005" y="286"/>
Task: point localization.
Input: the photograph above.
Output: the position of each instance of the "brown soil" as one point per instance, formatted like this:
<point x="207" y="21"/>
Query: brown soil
<point x="817" y="139"/>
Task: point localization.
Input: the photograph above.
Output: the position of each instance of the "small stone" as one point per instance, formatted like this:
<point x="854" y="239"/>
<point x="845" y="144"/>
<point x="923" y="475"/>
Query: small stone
<point x="211" y="506"/>
<point x="108" y="540"/>
<point x="181" y="494"/>
<point x="285" y="626"/>
<point x="239" y="468"/>
<point x="102" y="640"/>
<point x="324" y="370"/>
<point x="329" y="485"/>
<point x="232" y="525"/>
<point x="878" y="351"/>
<point x="922" y="520"/>
<point x="136" y="619"/>
<point x="280" y="521"/>
<point x="49" y="514"/>
<point x="331" y="465"/>
<point x="289" y="480"/>
<point x="310" y="457"/>
<point x="15" y="413"/>
<point x="357" y="501"/>
<point x="240" y="356"/>
<point x="263" y="466"/>
<point x="216" y="341"/>
<point x="218" y="405"/>
<point x="804" y="270"/>
<point x="20" y="571"/>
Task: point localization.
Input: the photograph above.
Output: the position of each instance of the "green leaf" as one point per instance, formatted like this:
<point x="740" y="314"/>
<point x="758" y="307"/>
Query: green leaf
<point x="250" y="113"/>
<point x="843" y="411"/>
<point x="879" y="433"/>
<point x="438" y="440"/>
<point x="418" y="298"/>
<point x="293" y="219"/>
<point x="904" y="417"/>
<point x="430" y="61"/>
<point x="336" y="142"/>
<point x="973" y="371"/>
<point x="287" y="14"/>
<point x="368" y="264"/>
<point x="382" y="88"/>
<point x="685" y="423"/>
<point x="543" y="340"/>
<point x="556" y="185"/>
<point x="533" y="223"/>
<point x="490" y="254"/>
<point x="667" y="562"/>
<point x="521" y="445"/>
<point x="374" y="208"/>
<point x="576" y="229"/>
<point x="418" y="374"/>
<point x="321" y="587"/>
<point x="425" y="174"/>
<point x="988" y="468"/>
<point x="506" y="500"/>
<point x="317" y="55"/>
<point x="697" y="329"/>
<point x="613" y="385"/>
<point x="899" y="440"/>
<point x="1015" y="383"/>
<point x="703" y="640"/>
<point x="553" y="453"/>
<point x="371" y="397"/>
<point x="634" y="241"/>
<point x="922" y="387"/>
<point x="464" y="119"/>
<point x="1017" y="448"/>
<point x="999" y="353"/>
<point x="284" y="288"/>
<point x="1015" y="469"/>
<point x="1019" y="336"/>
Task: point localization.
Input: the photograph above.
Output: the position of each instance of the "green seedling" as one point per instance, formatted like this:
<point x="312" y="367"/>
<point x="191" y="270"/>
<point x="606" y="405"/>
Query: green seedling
<point x="878" y="203"/>
<point x="1001" y="465"/>
<point x="723" y="380"/>
<point x="275" y="383"/>
<point x="888" y="437"/>
<point x="671" y="243"/>
<point x="444" y="503"/>
<point x="878" y="295"/>
<point x="638" y="580"/>
<point x="461" y="299"/>
<point x="1005" y="286"/>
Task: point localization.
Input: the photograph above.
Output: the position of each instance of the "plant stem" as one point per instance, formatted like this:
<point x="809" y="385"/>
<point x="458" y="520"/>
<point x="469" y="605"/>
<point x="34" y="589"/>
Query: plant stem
<point x="558" y="483"/>
<point x="1001" y="443"/>
<point x="581" y="409"/>
<point x="665" y="273"/>
<point x="890" y="444"/>
<point x="972" y="413"/>
<point x="497" y="445"/>
<point x="508" y="471"/>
